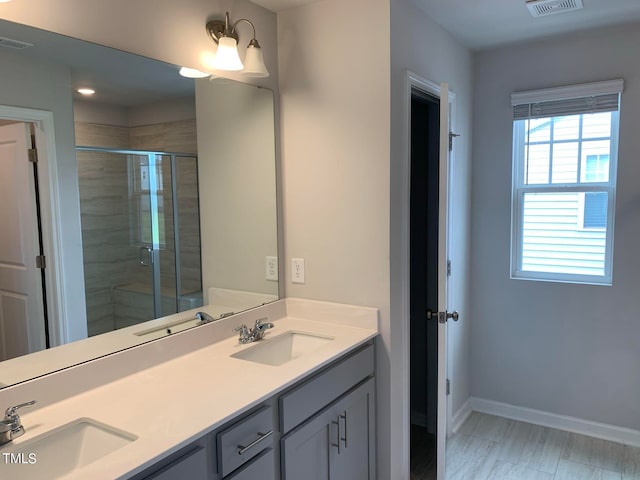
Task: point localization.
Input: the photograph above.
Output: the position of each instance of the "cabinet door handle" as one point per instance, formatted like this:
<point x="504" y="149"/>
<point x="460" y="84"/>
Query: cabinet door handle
<point x="344" y="439"/>
<point x="262" y="436"/>
<point x="337" y="444"/>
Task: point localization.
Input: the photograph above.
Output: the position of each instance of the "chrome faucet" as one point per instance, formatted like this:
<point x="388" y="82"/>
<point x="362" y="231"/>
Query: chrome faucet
<point x="260" y="328"/>
<point x="204" y="317"/>
<point x="11" y="427"/>
<point x="256" y="333"/>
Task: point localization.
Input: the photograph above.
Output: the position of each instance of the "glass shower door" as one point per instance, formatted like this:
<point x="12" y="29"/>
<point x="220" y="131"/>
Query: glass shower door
<point x="156" y="224"/>
<point x="126" y="204"/>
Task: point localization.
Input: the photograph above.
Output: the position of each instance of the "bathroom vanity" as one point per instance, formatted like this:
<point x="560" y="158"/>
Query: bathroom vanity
<point x="299" y="404"/>
<point x="322" y="427"/>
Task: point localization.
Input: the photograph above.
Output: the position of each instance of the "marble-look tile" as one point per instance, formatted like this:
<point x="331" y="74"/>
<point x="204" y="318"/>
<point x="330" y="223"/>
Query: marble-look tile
<point x="485" y="426"/>
<point x="631" y="463"/>
<point x="96" y="135"/>
<point x="178" y="136"/>
<point x="594" y="452"/>
<point x="533" y="446"/>
<point x="568" y="470"/>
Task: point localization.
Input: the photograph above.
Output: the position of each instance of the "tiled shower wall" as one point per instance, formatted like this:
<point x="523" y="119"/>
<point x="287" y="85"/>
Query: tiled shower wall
<point x="118" y="288"/>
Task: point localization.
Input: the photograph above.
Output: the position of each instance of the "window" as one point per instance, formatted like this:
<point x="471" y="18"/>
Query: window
<point x="564" y="170"/>
<point x="147" y="191"/>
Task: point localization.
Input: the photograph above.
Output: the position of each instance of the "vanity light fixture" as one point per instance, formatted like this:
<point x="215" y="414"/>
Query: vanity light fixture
<point x="227" y="58"/>
<point x="192" y="73"/>
<point x="86" y="91"/>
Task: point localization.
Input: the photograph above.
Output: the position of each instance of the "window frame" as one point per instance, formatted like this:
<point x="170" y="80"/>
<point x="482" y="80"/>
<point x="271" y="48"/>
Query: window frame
<point x="519" y="189"/>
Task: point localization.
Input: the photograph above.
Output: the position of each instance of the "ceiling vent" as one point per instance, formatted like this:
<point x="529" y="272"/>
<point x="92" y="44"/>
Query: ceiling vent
<point x="16" y="44"/>
<point x="541" y="8"/>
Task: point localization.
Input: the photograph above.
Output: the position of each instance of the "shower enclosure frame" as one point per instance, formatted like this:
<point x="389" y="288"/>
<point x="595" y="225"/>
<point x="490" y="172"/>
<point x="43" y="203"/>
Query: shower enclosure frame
<point x="154" y="253"/>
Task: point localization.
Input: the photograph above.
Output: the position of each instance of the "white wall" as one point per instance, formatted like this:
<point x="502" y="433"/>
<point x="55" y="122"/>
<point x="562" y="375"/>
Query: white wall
<point x="26" y="84"/>
<point x="237" y="177"/>
<point x="562" y="348"/>
<point x="334" y="90"/>
<point x="420" y="45"/>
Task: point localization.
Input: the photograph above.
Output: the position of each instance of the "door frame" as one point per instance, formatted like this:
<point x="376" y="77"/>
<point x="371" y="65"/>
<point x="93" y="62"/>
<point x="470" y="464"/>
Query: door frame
<point x="57" y="296"/>
<point x="414" y="81"/>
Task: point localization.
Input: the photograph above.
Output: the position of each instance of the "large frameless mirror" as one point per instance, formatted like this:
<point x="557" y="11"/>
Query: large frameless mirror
<point x="152" y="196"/>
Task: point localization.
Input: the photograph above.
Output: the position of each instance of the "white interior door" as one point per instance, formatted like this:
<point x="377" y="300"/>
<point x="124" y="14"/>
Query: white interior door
<point x="443" y="255"/>
<point x="22" y="328"/>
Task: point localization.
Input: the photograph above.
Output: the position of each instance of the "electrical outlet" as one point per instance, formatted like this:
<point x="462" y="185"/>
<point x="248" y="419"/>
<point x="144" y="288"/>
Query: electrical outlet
<point x="272" y="268"/>
<point x="297" y="270"/>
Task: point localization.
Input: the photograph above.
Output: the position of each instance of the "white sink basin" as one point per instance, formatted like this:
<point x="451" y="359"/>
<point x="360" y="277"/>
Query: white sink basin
<point x="283" y="348"/>
<point x="61" y="450"/>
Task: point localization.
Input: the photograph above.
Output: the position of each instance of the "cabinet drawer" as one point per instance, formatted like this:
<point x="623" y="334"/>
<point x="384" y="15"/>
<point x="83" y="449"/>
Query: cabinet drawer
<point x="262" y="468"/>
<point x="192" y="465"/>
<point x="243" y="440"/>
<point x="303" y="401"/>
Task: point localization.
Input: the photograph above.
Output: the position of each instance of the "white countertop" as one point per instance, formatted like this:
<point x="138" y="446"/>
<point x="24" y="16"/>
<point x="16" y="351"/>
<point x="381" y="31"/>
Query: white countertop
<point x="172" y="404"/>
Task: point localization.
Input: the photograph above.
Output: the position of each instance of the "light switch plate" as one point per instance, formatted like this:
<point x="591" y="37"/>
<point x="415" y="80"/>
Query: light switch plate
<point x="297" y="270"/>
<point x="271" y="268"/>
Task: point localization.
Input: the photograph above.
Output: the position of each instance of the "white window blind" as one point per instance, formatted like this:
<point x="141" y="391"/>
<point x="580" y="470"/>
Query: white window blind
<point x="564" y="171"/>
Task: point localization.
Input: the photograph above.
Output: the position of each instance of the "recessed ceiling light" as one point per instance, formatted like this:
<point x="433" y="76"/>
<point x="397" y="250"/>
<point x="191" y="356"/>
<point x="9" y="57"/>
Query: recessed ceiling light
<point x="86" y="91"/>
<point x="192" y="73"/>
<point x="4" y="1"/>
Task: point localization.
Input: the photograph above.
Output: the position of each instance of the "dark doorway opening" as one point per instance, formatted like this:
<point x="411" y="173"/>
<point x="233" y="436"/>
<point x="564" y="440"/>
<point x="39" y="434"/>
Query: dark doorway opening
<point x="425" y="147"/>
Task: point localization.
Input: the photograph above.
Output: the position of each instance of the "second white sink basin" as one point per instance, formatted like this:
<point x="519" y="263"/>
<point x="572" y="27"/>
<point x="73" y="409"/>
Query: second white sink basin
<point x="62" y="450"/>
<point x="283" y="348"/>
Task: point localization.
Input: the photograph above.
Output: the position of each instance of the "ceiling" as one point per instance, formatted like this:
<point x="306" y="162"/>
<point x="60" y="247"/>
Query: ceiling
<point x="280" y="5"/>
<point x="483" y="24"/>
<point x="119" y="78"/>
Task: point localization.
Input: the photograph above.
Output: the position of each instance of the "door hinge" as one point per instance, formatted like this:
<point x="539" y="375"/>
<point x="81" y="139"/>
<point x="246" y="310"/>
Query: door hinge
<point x="40" y="262"/>
<point x="448" y="387"/>
<point x="451" y="137"/>
<point x="33" y="155"/>
<point x="448" y="268"/>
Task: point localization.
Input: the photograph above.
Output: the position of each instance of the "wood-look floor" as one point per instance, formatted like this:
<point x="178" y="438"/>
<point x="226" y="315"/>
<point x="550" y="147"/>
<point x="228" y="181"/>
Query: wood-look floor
<point x="423" y="454"/>
<point x="495" y="448"/>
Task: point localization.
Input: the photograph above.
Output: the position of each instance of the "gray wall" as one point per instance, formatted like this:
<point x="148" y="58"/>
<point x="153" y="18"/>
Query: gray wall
<point x="562" y="348"/>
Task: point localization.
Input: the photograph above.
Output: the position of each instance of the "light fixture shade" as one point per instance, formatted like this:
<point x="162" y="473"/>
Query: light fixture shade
<point x="254" y="62"/>
<point x="227" y="55"/>
<point x="192" y="73"/>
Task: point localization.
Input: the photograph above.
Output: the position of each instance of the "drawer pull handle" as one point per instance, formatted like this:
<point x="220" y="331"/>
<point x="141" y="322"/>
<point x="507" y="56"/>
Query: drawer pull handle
<point x="242" y="448"/>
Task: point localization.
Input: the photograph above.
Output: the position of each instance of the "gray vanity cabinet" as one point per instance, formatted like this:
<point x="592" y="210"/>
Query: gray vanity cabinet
<point x="321" y="428"/>
<point x="335" y="444"/>
<point x="262" y="468"/>
<point x="192" y="465"/>
<point x="192" y="462"/>
<point x="356" y="418"/>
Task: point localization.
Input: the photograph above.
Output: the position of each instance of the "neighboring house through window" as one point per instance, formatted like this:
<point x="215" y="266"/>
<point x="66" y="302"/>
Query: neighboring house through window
<point x="564" y="171"/>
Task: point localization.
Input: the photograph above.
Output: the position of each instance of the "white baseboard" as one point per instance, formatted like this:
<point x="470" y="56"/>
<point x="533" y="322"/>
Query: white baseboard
<point x="552" y="420"/>
<point x="461" y="416"/>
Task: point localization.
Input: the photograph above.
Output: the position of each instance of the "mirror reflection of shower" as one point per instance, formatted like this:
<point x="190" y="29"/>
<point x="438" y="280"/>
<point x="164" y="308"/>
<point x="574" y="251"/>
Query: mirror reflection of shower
<point x="140" y="235"/>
